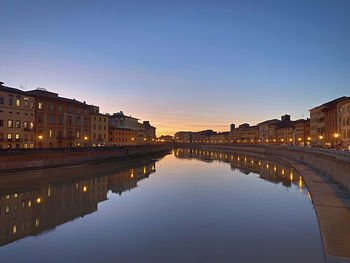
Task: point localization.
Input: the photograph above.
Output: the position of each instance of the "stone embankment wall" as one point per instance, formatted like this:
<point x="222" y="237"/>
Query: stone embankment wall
<point x="36" y="158"/>
<point x="336" y="167"/>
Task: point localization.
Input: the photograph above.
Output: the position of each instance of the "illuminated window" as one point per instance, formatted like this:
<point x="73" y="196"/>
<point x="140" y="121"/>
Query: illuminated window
<point x="26" y="100"/>
<point x="14" y="229"/>
<point x="10" y="124"/>
<point x="18" y="124"/>
<point x="18" y="102"/>
<point x="7" y="209"/>
<point x="50" y="133"/>
<point x="17" y="136"/>
<point x="40" y="105"/>
<point x="9" y="136"/>
<point x="31" y="125"/>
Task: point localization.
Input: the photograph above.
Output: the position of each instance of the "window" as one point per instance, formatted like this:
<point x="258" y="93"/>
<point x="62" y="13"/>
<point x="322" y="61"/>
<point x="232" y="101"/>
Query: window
<point x="31" y="125"/>
<point x="18" y="102"/>
<point x="40" y="105"/>
<point x="78" y="134"/>
<point x="85" y="112"/>
<point x="85" y="123"/>
<point x="17" y="136"/>
<point x="60" y="121"/>
<point x="1" y="100"/>
<point x="69" y="109"/>
<point x="50" y="133"/>
<point x="25" y="125"/>
<point x="26" y="100"/>
<point x="32" y="105"/>
<point x="78" y="111"/>
<point x="9" y="136"/>
<point x="1" y="123"/>
<point x="10" y="124"/>
<point x="18" y="124"/>
<point x="51" y="107"/>
<point x="59" y="107"/>
<point x="10" y="101"/>
<point x="25" y="146"/>
<point x="40" y="119"/>
<point x="51" y="119"/>
<point x="78" y="122"/>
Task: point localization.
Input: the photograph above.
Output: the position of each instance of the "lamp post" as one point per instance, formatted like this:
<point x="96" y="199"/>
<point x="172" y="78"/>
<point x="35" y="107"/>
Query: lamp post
<point x="336" y="136"/>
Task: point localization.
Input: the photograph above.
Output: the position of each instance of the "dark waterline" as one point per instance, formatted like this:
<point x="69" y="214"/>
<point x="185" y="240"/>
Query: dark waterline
<point x="191" y="206"/>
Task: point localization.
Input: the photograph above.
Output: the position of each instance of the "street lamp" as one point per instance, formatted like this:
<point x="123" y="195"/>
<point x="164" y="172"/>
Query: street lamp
<point x="85" y="138"/>
<point x="320" y="137"/>
<point x="336" y="135"/>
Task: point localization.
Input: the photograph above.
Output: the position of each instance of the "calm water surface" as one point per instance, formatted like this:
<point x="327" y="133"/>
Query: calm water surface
<point x="190" y="206"/>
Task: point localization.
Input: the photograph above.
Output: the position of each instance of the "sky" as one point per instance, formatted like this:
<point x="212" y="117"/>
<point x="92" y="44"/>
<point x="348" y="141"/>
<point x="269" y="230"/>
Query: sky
<point x="182" y="65"/>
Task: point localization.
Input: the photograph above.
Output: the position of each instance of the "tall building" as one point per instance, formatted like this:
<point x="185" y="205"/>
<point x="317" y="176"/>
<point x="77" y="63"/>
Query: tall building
<point x="60" y="122"/>
<point x="324" y="123"/>
<point x="99" y="127"/>
<point x="17" y="118"/>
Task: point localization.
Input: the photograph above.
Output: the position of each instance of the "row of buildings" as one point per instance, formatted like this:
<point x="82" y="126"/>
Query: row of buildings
<point x="328" y="126"/>
<point x="42" y="119"/>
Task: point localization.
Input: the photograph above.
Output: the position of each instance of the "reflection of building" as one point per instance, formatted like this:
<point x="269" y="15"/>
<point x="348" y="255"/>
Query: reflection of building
<point x="17" y="117"/>
<point x="60" y="122"/>
<point x="122" y="181"/>
<point x="99" y="127"/>
<point x="32" y="212"/>
<point x="271" y="171"/>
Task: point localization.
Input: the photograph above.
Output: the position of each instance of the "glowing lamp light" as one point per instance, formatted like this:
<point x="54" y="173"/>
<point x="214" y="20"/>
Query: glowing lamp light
<point x="299" y="139"/>
<point x="336" y="135"/>
<point x="38" y="200"/>
<point x="290" y="139"/>
<point x="85" y="138"/>
<point x="84" y="188"/>
<point x="40" y="137"/>
<point x="320" y="137"/>
<point x="309" y="138"/>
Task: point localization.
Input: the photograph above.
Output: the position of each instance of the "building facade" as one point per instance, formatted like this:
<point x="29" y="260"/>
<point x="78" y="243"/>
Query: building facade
<point x="60" y="122"/>
<point x="122" y="137"/>
<point x="302" y="132"/>
<point x="343" y="140"/>
<point x="17" y="118"/>
<point x="99" y="127"/>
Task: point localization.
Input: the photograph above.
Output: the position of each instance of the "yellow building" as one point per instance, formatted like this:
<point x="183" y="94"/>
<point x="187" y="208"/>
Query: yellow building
<point x="122" y="137"/>
<point x="17" y="117"/>
<point x="99" y="127"/>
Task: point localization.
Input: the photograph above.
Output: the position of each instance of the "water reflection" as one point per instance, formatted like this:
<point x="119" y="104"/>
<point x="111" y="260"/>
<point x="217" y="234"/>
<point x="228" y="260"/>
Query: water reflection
<point x="31" y="212"/>
<point x="273" y="171"/>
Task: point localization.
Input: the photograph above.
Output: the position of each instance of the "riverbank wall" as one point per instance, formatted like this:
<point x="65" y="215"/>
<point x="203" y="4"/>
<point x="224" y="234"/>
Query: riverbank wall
<point x="43" y="158"/>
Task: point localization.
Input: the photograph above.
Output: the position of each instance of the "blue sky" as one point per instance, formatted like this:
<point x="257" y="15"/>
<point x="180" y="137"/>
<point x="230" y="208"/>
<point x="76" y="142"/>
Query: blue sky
<point x="183" y="65"/>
